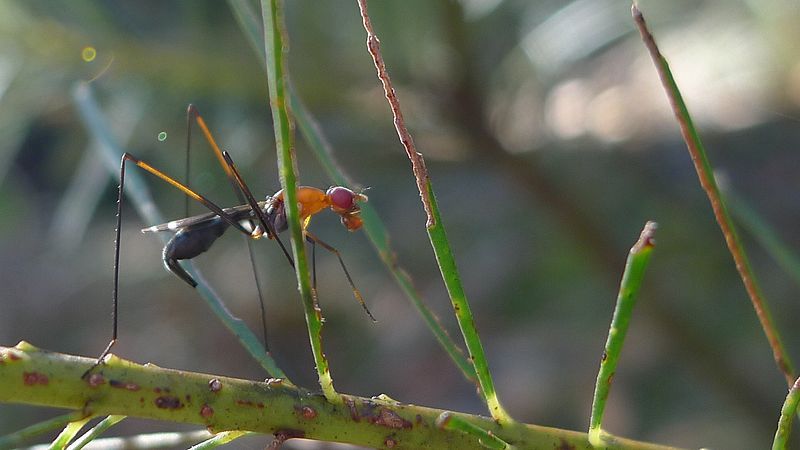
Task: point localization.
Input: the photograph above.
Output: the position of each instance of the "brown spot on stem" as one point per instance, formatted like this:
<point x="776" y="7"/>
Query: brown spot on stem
<point x="8" y="354"/>
<point x="351" y="406"/>
<point x="206" y="412"/>
<point x="284" y="435"/>
<point x="308" y="412"/>
<point x="96" y="379"/>
<point x="390" y="419"/>
<point x="168" y="402"/>
<point x="124" y="385"/>
<point x="34" y="378"/>
<point x="249" y="403"/>
<point x="564" y="445"/>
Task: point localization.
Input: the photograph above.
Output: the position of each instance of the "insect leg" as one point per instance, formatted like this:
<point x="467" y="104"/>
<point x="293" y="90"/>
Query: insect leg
<point x="356" y="293"/>
<point x="265" y="222"/>
<point x="244" y="195"/>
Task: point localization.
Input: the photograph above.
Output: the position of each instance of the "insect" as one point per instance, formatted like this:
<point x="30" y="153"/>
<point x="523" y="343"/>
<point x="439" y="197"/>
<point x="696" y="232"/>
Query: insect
<point x="254" y="219"/>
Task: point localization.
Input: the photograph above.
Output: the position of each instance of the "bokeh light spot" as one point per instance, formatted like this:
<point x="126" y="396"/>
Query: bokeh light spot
<point x="88" y="54"/>
<point x="162" y="136"/>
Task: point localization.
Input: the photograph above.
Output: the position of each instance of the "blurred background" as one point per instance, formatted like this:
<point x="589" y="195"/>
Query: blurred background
<point x="549" y="142"/>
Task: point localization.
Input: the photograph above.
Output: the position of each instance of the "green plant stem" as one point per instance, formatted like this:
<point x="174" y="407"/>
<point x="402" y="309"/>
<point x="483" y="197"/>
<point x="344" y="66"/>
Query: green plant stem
<point x="14" y="440"/>
<point x="705" y="174"/>
<point x="788" y="412"/>
<point x="379" y="237"/>
<point x="96" y="431"/>
<point x="220" y="439"/>
<point x="36" y="377"/>
<point x="632" y="277"/>
<point x="373" y="226"/>
<point x="274" y="45"/>
<point x="436" y="231"/>
<point x="448" y="421"/>
<point x="68" y="434"/>
<point x="452" y="281"/>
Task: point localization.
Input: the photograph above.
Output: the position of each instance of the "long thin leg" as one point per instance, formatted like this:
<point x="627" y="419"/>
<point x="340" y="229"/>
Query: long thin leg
<point x="115" y="291"/>
<point x="188" y="158"/>
<point x="267" y="224"/>
<point x="243" y="193"/>
<point x="314" y="264"/>
<point x="186" y="190"/>
<point x="193" y="113"/>
<point x="314" y="293"/>
<point x="239" y="187"/>
<point x="117" y="243"/>
<point x="356" y="293"/>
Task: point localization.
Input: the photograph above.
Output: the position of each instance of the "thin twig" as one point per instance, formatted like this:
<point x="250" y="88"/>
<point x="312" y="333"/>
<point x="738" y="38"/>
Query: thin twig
<point x="438" y="238"/>
<point x="275" y="48"/>
<point x="638" y="259"/>
<point x="417" y="161"/>
<point x="705" y="174"/>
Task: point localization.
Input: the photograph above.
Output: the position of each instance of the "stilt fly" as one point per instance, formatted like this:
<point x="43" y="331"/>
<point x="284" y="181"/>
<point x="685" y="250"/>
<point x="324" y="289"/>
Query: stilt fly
<point x="254" y="219"/>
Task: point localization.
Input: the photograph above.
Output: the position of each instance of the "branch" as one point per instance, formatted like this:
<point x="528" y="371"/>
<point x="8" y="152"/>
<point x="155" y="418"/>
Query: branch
<point x="33" y="376"/>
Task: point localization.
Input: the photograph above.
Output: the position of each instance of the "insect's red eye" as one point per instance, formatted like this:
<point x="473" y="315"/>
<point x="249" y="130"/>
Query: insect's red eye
<point x="342" y="198"/>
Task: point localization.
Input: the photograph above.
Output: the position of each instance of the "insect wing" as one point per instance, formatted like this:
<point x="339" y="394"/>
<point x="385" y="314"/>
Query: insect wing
<point x="240" y="212"/>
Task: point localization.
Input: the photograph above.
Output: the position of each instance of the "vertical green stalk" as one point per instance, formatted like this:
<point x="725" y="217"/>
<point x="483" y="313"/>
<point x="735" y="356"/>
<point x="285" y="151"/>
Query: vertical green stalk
<point x="706" y="176"/>
<point x="638" y="258"/>
<point x="452" y="281"/>
<point x="379" y="236"/>
<point x="781" y="441"/>
<point x="275" y="46"/>
<point x="373" y="226"/>
<point x="435" y="230"/>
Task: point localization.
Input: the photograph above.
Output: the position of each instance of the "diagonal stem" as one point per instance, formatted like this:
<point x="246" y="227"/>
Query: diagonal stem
<point x="705" y="173"/>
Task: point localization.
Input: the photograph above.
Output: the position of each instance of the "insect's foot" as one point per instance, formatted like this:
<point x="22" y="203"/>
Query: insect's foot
<point x="100" y="360"/>
<point x="89" y="375"/>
